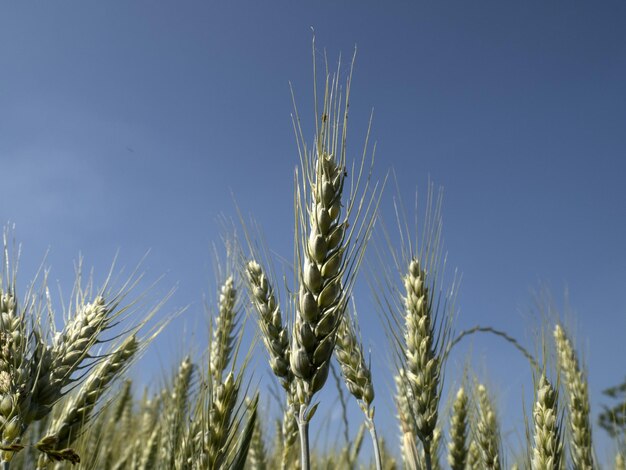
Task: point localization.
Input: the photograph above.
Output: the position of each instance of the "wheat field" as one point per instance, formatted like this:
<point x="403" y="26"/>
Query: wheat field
<point x="68" y="401"/>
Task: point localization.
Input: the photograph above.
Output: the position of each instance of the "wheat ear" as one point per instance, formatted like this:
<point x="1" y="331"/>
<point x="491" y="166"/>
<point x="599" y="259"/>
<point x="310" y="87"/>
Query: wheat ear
<point x="404" y="398"/>
<point x="77" y="412"/>
<point x="274" y="333"/>
<point x="223" y="332"/>
<point x="620" y="463"/>
<point x="423" y="366"/>
<point x="487" y="433"/>
<point x="578" y="402"/>
<point x="357" y="376"/>
<point x="457" y="447"/>
<point x="175" y="410"/>
<point x="548" y="448"/>
<point x="328" y="251"/>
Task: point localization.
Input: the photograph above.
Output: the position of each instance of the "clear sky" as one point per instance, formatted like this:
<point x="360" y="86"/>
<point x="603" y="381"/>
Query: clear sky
<point x="127" y="125"/>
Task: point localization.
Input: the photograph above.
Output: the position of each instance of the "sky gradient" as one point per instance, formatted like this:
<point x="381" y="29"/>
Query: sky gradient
<point x="134" y="126"/>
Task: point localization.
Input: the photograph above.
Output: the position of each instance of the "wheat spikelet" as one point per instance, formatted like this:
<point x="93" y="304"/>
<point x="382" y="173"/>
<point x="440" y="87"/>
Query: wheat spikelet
<point x="620" y="463"/>
<point x="457" y="447"/>
<point x="578" y="402"/>
<point x="547" y="451"/>
<point x="487" y="434"/>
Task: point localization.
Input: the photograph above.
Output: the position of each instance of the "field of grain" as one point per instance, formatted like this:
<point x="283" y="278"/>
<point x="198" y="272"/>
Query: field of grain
<point x="67" y="401"/>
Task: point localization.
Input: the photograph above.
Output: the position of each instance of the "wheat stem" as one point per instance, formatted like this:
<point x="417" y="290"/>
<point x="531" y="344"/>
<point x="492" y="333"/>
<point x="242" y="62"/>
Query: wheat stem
<point x="303" y="427"/>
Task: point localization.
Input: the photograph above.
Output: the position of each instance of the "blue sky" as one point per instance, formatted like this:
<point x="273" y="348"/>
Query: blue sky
<point x="127" y="125"/>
